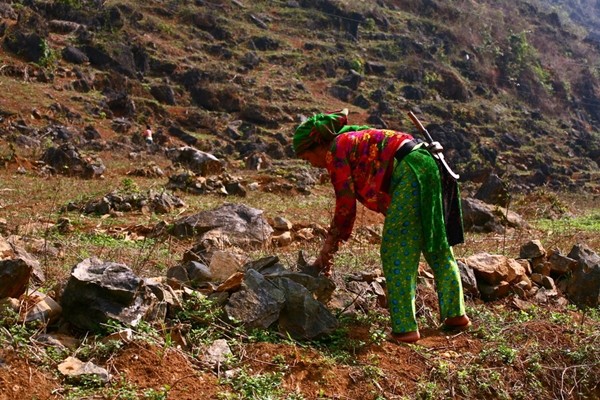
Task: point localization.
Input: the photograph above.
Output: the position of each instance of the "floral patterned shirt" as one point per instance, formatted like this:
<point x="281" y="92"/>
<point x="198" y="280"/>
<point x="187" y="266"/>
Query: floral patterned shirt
<point x="359" y="167"/>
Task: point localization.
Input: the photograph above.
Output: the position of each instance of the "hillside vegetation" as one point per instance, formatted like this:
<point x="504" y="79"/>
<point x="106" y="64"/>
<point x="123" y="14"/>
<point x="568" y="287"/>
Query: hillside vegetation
<point x="508" y="87"/>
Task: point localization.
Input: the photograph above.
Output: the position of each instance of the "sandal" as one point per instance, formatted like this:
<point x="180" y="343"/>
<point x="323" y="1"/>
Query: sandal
<point x="457" y="324"/>
<point x="405" y="337"/>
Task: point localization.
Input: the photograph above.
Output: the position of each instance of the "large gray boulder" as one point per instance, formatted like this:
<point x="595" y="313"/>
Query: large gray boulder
<point x="320" y="287"/>
<point x="479" y="216"/>
<point x="198" y="161"/>
<point x="303" y="317"/>
<point x="257" y="304"/>
<point x="100" y="291"/>
<point x="242" y="225"/>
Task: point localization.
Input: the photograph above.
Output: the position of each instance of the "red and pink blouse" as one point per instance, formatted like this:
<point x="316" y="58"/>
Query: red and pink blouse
<point x="359" y="166"/>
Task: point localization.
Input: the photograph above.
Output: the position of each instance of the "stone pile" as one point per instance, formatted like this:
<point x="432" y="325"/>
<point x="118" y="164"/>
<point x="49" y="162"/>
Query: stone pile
<point x="66" y="159"/>
<point x="224" y="184"/>
<point x="537" y="274"/>
<point x="199" y="162"/>
<point x="258" y="294"/>
<point x="117" y="201"/>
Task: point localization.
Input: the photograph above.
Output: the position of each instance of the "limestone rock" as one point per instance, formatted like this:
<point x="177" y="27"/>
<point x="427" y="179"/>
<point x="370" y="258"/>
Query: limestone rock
<point x="257" y="304"/>
<point x="99" y="291"/>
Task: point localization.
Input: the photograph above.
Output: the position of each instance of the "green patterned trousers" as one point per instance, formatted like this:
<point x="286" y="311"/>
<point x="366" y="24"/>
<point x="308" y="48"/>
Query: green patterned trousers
<point x="402" y="244"/>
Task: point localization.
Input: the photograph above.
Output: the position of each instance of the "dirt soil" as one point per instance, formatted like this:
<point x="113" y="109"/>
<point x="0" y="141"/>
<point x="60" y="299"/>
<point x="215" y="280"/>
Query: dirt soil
<point x="383" y="370"/>
<point x="138" y="364"/>
<point x="147" y="366"/>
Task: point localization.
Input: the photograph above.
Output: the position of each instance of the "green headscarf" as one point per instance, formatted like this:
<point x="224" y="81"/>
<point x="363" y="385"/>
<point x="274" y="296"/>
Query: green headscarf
<point x="353" y="128"/>
<point x="320" y="128"/>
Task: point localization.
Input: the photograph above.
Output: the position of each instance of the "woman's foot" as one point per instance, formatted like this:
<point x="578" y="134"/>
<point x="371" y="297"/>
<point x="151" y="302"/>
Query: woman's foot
<point x="405" y="337"/>
<point x="457" y="323"/>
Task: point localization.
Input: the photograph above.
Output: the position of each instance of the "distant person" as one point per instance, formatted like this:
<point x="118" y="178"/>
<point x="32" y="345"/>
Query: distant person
<point x="148" y="135"/>
<point x="388" y="172"/>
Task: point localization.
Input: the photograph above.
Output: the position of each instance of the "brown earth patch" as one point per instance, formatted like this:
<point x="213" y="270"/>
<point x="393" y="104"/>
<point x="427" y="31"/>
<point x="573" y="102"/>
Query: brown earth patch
<point x="20" y="379"/>
<point x="148" y="366"/>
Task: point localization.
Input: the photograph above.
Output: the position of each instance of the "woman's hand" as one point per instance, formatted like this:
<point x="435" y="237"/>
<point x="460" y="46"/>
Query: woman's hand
<point x="323" y="264"/>
<point x="324" y="260"/>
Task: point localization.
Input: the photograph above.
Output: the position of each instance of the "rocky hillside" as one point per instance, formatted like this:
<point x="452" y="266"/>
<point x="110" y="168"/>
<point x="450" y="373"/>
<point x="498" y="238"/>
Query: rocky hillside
<point x="152" y="281"/>
<point x="510" y="88"/>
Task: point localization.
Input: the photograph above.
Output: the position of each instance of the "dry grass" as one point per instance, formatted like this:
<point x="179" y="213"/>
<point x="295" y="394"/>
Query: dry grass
<point x="33" y="204"/>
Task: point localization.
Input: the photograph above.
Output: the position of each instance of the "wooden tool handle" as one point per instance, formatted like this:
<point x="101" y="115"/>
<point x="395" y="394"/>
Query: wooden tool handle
<point x="416" y="121"/>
